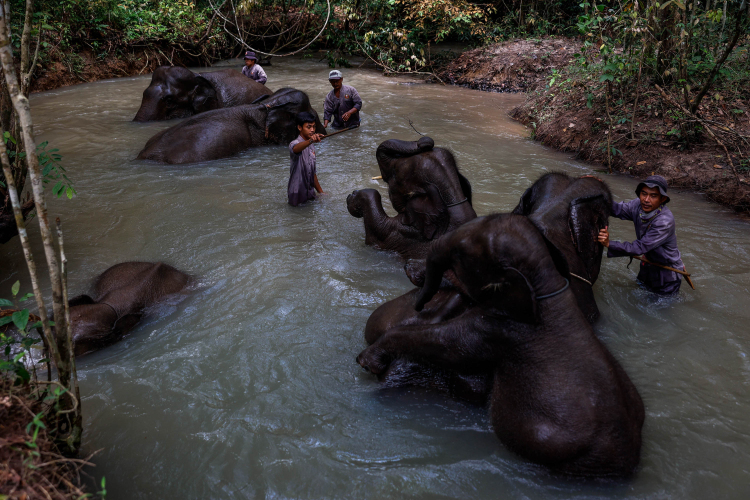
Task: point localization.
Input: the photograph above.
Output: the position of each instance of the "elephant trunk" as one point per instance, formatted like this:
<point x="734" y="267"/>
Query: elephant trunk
<point x="438" y="261"/>
<point x="147" y="112"/>
<point x="394" y="148"/>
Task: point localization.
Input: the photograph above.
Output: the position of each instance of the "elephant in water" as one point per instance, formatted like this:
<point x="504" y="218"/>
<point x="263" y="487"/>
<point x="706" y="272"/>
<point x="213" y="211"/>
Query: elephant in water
<point x="178" y="93"/>
<point x="122" y="293"/>
<point x="557" y="397"/>
<point x="570" y="212"/>
<point x="224" y="132"/>
<point x="428" y="192"/>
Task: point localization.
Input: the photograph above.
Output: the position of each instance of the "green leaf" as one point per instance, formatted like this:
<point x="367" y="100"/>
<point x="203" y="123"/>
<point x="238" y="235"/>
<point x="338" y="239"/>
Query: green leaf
<point x="69" y="192"/>
<point x="6" y="303"/>
<point x="27" y="296"/>
<point x="15" y="288"/>
<point x="604" y="78"/>
<point x="21" y="319"/>
<point x="4" y="321"/>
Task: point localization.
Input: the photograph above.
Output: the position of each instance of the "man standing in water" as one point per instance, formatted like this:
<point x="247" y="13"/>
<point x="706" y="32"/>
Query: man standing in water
<point x="303" y="179"/>
<point x="252" y="69"/>
<point x="655" y="228"/>
<point x="343" y="103"/>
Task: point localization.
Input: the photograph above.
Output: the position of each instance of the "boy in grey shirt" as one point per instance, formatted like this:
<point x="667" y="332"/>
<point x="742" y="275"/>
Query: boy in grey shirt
<point x="303" y="180"/>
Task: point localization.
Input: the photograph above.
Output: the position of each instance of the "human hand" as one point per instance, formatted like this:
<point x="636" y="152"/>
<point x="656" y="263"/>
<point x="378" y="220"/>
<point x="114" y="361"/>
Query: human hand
<point x="325" y="123"/>
<point x="316" y="137"/>
<point x="346" y="116"/>
<point x="603" y="237"/>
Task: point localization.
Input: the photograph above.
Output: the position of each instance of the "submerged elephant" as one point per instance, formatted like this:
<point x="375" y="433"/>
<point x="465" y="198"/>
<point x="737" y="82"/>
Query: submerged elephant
<point x="224" y="132"/>
<point x="428" y="192"/>
<point x="558" y="397"/>
<point x="177" y="92"/>
<point x="570" y="212"/>
<point x="122" y="293"/>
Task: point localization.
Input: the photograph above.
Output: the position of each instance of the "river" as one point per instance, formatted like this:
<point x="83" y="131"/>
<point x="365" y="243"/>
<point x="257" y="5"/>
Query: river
<point x="249" y="387"/>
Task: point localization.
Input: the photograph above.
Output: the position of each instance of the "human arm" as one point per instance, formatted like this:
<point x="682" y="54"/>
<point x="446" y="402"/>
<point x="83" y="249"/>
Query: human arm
<point x="328" y="109"/>
<point x="317" y="184"/>
<point x="357" y="105"/>
<point x="657" y="234"/>
<point x="300" y="146"/>
<point x="260" y="76"/>
<point x="626" y="210"/>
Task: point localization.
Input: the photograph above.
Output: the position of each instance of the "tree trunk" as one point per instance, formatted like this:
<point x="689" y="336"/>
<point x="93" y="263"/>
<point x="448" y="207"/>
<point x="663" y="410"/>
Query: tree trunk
<point x="69" y="432"/>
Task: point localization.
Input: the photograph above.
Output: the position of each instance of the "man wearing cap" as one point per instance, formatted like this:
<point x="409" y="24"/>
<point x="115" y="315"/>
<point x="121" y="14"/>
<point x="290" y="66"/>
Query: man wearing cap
<point x="343" y="103"/>
<point x="655" y="227"/>
<point x="252" y="69"/>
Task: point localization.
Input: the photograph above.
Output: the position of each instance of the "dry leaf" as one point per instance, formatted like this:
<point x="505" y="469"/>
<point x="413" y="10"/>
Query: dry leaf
<point x="640" y="163"/>
<point x="718" y="166"/>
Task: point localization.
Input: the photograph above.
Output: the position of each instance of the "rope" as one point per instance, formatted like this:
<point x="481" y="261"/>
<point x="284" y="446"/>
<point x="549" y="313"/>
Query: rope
<point x="582" y="279"/>
<point x="457" y="203"/>
<point x="567" y="284"/>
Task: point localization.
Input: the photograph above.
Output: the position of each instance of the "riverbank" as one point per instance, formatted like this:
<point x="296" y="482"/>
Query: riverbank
<point x="568" y="109"/>
<point x="30" y="465"/>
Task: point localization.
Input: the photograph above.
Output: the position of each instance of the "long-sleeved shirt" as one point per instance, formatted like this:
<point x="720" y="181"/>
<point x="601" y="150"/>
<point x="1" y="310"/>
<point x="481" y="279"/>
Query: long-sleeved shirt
<point x="256" y="73"/>
<point x="336" y="107"/>
<point x="656" y="236"/>
<point x="301" y="185"/>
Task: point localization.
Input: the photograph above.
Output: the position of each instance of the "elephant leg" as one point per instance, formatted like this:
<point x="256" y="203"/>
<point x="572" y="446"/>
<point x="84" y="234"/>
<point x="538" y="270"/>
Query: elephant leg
<point x="446" y="304"/>
<point x="456" y="344"/>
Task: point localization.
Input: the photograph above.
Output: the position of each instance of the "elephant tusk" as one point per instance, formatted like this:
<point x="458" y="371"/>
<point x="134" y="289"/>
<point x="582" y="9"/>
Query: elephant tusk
<point x="377" y="177"/>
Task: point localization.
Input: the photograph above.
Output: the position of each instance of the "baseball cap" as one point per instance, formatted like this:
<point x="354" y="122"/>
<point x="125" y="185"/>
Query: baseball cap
<point x="335" y="75"/>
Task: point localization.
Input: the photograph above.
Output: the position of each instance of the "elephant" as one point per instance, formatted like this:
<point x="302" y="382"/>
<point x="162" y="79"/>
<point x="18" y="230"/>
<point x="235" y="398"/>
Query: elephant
<point x="557" y="396"/>
<point x="123" y="292"/>
<point x="224" y="132"/>
<point x="570" y="212"/>
<point x="177" y="92"/>
<point x="426" y="189"/>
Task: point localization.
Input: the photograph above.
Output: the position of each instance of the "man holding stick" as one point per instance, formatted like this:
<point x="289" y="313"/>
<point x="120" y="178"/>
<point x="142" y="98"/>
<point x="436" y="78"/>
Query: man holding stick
<point x="655" y="228"/>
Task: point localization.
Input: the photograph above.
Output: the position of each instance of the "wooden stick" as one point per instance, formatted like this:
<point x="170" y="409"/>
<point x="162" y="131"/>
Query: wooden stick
<point x="340" y="131"/>
<point x="684" y="273"/>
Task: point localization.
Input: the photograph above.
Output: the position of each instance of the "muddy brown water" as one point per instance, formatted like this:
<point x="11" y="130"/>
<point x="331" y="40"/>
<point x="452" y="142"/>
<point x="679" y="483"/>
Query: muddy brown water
<point x="249" y="388"/>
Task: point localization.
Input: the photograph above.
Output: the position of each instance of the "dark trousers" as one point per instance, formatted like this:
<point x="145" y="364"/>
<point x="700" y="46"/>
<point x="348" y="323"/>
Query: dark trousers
<point x="659" y="280"/>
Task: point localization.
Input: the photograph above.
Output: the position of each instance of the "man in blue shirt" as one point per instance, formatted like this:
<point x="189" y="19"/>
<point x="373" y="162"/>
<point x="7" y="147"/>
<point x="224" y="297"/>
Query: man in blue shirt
<point x="655" y="228"/>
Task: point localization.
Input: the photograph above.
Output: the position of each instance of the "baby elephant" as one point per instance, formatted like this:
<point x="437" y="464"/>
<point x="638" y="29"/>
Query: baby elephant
<point x="122" y="293"/>
<point x="558" y="396"/>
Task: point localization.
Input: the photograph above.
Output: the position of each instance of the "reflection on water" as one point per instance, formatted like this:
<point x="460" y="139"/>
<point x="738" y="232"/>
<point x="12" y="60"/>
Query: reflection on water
<point x="249" y="389"/>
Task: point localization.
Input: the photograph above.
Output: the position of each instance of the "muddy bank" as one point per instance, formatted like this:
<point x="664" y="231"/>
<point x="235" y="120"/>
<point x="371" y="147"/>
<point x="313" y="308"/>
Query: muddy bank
<point x="71" y="68"/>
<point x="31" y="467"/>
<point x="515" y="66"/>
<point x="571" y="116"/>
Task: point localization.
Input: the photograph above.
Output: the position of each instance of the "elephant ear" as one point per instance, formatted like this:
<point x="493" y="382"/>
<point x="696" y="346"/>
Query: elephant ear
<point x="261" y="98"/>
<point x="586" y="216"/>
<point x="81" y="300"/>
<point x="425" y="211"/>
<point x="465" y="186"/>
<point x="513" y="296"/>
<point x="524" y="205"/>
<point x="203" y="95"/>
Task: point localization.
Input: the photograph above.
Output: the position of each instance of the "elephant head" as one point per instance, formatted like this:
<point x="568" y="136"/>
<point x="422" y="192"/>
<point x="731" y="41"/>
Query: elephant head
<point x="425" y="186"/>
<point x="176" y="93"/>
<point x="282" y="108"/>
<point x="570" y="212"/>
<point x="503" y="263"/>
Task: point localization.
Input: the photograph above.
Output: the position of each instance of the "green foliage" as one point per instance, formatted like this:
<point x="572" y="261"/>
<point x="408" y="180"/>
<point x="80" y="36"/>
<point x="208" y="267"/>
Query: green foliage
<point x="17" y="349"/>
<point x="49" y="161"/>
